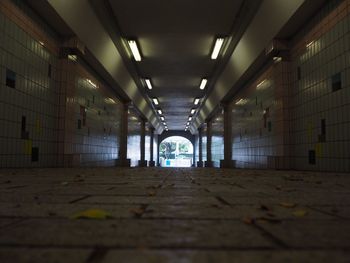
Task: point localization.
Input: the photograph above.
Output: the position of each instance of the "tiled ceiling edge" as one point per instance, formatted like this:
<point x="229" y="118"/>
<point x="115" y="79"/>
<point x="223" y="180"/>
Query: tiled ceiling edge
<point x="256" y="38"/>
<point x="99" y="43"/>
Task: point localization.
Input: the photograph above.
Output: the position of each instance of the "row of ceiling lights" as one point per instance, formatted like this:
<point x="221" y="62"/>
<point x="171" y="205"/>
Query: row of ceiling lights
<point x="137" y="56"/>
<point x="214" y="55"/>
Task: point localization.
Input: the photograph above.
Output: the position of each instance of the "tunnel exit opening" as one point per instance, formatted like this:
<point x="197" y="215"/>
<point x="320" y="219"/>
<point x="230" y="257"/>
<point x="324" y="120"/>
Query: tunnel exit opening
<point x="176" y="151"/>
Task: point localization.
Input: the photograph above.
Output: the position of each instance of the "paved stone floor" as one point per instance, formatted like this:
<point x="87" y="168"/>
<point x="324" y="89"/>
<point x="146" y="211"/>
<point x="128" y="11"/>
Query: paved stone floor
<point x="173" y="215"/>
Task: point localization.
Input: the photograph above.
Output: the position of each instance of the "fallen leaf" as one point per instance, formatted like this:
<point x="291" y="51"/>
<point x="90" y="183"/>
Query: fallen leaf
<point x="264" y="208"/>
<point x="288" y="205"/>
<point x="92" y="214"/>
<point x="248" y="220"/>
<point x="300" y="213"/>
<point x="151" y="193"/>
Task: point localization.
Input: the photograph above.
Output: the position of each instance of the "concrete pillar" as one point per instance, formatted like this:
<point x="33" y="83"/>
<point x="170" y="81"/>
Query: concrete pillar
<point x="143" y="162"/>
<point x="123" y="151"/>
<point x="209" y="162"/>
<point x="158" y="163"/>
<point x="227" y="162"/>
<point x="152" y="163"/>
<point x="200" y="150"/>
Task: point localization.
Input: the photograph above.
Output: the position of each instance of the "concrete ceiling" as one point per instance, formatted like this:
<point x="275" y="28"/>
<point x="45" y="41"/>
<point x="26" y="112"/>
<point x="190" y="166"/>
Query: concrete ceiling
<point x="176" y="38"/>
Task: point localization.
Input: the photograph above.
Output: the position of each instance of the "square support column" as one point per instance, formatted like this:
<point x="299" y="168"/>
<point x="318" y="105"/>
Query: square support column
<point x="209" y="162"/>
<point x="227" y="162"/>
<point x="152" y="163"/>
<point x="200" y="148"/>
<point x="123" y="161"/>
<point x="143" y="162"/>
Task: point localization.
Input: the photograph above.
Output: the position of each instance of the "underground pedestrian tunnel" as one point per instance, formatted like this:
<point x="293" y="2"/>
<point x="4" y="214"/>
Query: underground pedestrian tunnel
<point x="104" y="102"/>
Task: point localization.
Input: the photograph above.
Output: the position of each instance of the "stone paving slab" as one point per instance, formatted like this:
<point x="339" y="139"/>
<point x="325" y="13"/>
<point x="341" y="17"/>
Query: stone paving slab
<point x="342" y="211"/>
<point x="150" y="200"/>
<point x="40" y="198"/>
<point x="63" y="210"/>
<point x="311" y="234"/>
<point x="134" y="233"/>
<point x="174" y="215"/>
<point x="193" y="256"/>
<point x="275" y="212"/>
<point x="43" y="255"/>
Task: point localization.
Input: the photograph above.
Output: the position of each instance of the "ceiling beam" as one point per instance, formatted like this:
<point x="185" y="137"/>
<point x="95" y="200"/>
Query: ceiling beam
<point x="261" y="31"/>
<point x="81" y="18"/>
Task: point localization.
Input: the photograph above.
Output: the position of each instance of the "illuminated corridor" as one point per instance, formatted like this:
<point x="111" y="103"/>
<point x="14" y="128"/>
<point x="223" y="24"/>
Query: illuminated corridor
<point x="174" y="131"/>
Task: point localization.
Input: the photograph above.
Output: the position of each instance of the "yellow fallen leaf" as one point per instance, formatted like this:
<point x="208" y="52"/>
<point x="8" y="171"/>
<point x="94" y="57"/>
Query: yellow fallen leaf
<point x="300" y="213"/>
<point x="151" y="193"/>
<point x="92" y="214"/>
<point x="288" y="205"/>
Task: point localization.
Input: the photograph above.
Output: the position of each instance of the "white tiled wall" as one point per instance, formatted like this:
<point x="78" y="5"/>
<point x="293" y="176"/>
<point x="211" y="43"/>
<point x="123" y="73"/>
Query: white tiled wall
<point x="298" y="95"/>
<point x="34" y="97"/>
<point x="52" y="105"/>
<point x="321" y="52"/>
<point x="134" y="138"/>
<point x="217" y="141"/>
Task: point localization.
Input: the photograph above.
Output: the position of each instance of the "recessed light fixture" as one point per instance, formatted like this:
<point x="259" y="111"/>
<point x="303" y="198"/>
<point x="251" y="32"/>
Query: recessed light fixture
<point x="92" y="83"/>
<point x="241" y="102"/>
<point x="73" y="57"/>
<point x="160" y="112"/>
<point x="148" y="83"/>
<point x="277" y="59"/>
<point x="203" y="84"/>
<point x="155" y="101"/>
<point x="134" y="49"/>
<point x="162" y="118"/>
<point x="196" y="101"/>
<point x="188" y="124"/>
<point x="218" y="45"/>
<point x="193" y="111"/>
<point x="189" y="118"/>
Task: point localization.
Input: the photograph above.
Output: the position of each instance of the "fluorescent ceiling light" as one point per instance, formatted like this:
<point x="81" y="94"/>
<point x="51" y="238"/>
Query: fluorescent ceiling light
<point x="91" y="83"/>
<point x="218" y="45"/>
<point x="160" y="112"/>
<point x="188" y="124"/>
<point x="189" y="118"/>
<point x="242" y="102"/>
<point x="196" y="101"/>
<point x="155" y="101"/>
<point x="203" y="84"/>
<point x="193" y="111"/>
<point x="277" y="59"/>
<point x="135" y="50"/>
<point x="148" y="83"/>
<point x="162" y="118"/>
